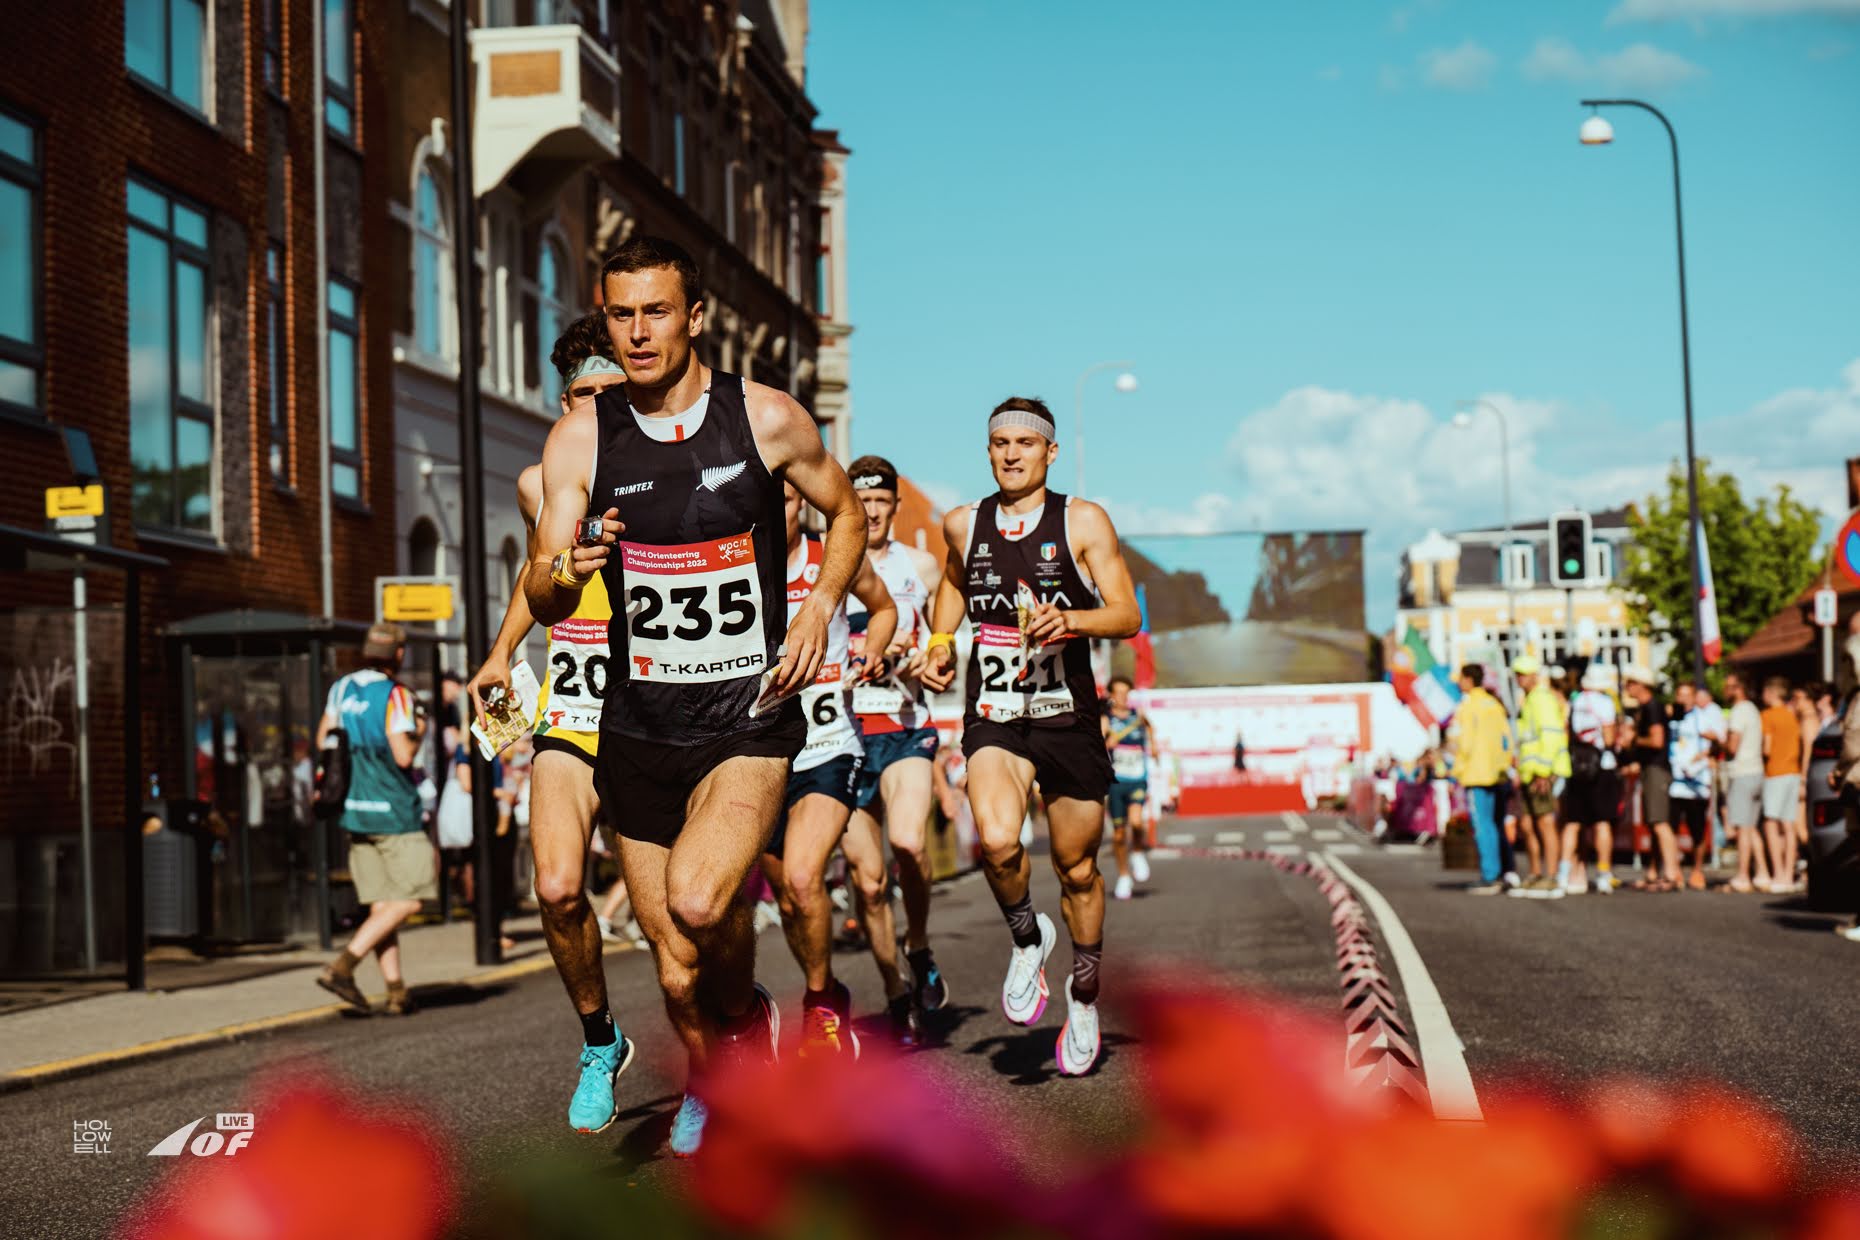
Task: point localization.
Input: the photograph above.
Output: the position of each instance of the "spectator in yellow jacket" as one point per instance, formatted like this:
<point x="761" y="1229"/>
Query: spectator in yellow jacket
<point x="1482" y="765"/>
<point x="1543" y="764"/>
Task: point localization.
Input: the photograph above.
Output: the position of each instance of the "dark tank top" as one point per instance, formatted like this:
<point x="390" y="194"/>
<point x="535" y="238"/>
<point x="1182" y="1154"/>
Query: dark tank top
<point x="698" y="578"/>
<point x="1051" y="686"/>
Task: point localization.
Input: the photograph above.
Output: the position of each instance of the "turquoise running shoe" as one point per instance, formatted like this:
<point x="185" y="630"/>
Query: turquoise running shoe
<point x="592" y="1108"/>
<point x="688" y="1126"/>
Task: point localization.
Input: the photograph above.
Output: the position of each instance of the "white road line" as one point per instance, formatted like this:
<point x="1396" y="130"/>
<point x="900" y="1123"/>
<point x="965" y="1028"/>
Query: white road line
<point x="1346" y="849"/>
<point x="1230" y="837"/>
<point x="1278" y="835"/>
<point x="1179" y="841"/>
<point x="1321" y="834"/>
<point x="1293" y="822"/>
<point x="1443" y="1056"/>
<point x="1289" y="850"/>
<point x="1164" y="854"/>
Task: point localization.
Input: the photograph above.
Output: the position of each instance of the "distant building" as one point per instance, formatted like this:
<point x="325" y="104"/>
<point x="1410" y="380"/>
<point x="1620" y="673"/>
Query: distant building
<point x="1480" y="597"/>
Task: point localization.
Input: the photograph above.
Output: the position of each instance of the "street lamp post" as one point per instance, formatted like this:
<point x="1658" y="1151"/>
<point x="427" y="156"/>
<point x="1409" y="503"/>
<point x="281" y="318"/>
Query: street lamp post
<point x="1597" y="131"/>
<point x="1463" y="419"/>
<point x="1126" y="382"/>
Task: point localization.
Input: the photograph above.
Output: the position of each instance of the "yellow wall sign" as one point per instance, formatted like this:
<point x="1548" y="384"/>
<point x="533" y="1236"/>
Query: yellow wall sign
<point x="74" y="501"/>
<point x="415" y="601"/>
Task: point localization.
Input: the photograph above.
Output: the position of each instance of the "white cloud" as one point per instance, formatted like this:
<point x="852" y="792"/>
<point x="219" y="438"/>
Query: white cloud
<point x="1702" y="10"/>
<point x="1466" y="67"/>
<point x="1321" y="458"/>
<point x="1639" y="66"/>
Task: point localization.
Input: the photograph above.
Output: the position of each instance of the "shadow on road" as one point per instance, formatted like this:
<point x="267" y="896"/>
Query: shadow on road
<point x="1029" y="1058"/>
<point x="454" y="994"/>
<point x="645" y="1141"/>
<point x="1820" y="923"/>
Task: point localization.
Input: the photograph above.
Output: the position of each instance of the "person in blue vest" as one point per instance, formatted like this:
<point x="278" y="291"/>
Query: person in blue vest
<point x="1131" y="743"/>
<point x="391" y="860"/>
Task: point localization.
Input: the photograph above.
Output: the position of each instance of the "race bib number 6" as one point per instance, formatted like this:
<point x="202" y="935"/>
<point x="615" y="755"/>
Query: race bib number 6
<point x="693" y="612"/>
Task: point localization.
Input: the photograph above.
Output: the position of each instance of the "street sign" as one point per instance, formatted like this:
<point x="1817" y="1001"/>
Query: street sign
<point x="76" y="512"/>
<point x="1847" y="549"/>
<point x="415" y="600"/>
<point x="1827" y="608"/>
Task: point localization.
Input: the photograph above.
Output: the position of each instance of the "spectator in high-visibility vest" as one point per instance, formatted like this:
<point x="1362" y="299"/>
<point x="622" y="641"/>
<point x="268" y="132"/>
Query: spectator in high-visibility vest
<point x="1543" y="765"/>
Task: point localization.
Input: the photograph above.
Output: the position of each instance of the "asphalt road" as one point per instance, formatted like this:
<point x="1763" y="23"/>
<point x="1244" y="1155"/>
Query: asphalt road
<point x="1748" y="990"/>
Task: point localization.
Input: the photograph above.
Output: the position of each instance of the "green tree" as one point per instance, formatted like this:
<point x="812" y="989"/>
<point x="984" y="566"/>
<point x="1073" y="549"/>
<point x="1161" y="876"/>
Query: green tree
<point x="1762" y="556"/>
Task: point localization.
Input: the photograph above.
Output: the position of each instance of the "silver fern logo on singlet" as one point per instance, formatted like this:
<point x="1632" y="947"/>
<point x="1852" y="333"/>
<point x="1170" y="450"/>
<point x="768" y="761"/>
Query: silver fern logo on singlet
<point x="716" y="477"/>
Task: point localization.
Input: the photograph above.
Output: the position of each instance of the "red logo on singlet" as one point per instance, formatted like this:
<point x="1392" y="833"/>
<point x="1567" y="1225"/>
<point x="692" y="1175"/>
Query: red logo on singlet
<point x="986" y="709"/>
<point x="643" y="664"/>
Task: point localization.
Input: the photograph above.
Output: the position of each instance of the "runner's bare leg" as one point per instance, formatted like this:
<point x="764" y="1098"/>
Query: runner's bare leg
<point x="865" y="858"/>
<point x="998" y="785"/>
<point x="562" y="805"/>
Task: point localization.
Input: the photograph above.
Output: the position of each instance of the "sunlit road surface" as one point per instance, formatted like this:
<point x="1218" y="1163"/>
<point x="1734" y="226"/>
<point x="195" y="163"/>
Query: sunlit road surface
<point x="1570" y="991"/>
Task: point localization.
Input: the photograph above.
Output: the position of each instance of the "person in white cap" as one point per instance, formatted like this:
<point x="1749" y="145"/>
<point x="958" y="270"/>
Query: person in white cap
<point x="1593" y="795"/>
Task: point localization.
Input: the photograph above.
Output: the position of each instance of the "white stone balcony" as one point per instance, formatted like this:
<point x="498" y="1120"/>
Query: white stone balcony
<point x="547" y="101"/>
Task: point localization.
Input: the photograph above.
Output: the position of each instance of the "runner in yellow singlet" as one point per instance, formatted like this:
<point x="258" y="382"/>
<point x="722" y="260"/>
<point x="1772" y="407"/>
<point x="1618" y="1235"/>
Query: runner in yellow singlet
<point x="562" y="801"/>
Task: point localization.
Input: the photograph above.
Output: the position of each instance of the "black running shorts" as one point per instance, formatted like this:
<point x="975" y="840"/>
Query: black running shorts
<point x="645" y="786"/>
<point x="837" y="778"/>
<point x="1067" y="761"/>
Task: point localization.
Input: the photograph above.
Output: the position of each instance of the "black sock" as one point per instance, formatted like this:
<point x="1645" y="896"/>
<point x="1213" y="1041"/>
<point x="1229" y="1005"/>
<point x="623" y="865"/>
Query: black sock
<point x="835" y="996"/>
<point x="1085" y="958"/>
<point x="921" y="964"/>
<point x="597" y="1028"/>
<point x="1021" y="923"/>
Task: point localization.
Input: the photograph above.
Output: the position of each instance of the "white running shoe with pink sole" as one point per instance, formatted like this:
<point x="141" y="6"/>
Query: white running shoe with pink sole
<point x="1023" y="994"/>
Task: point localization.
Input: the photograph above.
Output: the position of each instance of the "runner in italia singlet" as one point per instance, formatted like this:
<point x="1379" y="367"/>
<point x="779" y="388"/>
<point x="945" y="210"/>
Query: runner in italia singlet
<point x="1052" y="685"/>
<point x="698" y="573"/>
<point x="578" y="672"/>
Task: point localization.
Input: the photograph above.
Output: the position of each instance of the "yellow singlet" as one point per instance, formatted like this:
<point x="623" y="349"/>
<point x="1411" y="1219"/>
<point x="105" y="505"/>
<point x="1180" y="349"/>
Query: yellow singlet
<point x="575" y="675"/>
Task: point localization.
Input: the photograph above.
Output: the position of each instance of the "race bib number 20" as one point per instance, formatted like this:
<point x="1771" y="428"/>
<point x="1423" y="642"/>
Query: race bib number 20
<point x="693" y="612"/>
<point x="579" y="673"/>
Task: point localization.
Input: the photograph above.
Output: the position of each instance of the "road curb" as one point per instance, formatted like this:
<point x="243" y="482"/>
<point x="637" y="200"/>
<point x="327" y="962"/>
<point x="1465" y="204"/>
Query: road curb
<point x="164" y="1048"/>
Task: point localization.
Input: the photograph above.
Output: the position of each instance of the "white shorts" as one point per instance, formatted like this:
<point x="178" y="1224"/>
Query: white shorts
<point x="1743" y="801"/>
<point x="1781" y="795"/>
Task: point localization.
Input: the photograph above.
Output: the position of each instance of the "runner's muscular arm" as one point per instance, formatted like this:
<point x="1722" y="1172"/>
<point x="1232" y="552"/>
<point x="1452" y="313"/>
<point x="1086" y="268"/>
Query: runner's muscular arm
<point x="1095" y="539"/>
<point x="517" y="618"/>
<point x="791" y="448"/>
<point x="881" y="618"/>
<point x="565" y="485"/>
<point x="946" y="611"/>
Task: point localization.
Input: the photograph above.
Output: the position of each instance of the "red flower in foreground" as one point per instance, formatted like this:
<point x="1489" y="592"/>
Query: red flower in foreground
<point x="321" y="1163"/>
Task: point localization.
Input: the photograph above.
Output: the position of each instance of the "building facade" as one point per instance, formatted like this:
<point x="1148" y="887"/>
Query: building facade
<point x="1485" y="596"/>
<point x="595" y="121"/>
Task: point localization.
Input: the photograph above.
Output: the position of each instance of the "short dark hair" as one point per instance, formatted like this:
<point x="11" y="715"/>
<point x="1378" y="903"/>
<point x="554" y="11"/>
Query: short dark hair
<point x="1474" y="673"/>
<point x="1818" y="689"/>
<point x="878" y="467"/>
<point x="1777" y="684"/>
<point x="1125" y="681"/>
<point x="586" y="337"/>
<point x="644" y="253"/>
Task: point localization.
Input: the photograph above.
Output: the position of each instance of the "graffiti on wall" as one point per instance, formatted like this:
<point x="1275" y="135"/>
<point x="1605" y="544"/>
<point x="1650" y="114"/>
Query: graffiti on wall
<point x="31" y="729"/>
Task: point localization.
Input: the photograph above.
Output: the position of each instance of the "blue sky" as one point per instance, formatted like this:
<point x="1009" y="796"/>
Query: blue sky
<point x="1314" y="227"/>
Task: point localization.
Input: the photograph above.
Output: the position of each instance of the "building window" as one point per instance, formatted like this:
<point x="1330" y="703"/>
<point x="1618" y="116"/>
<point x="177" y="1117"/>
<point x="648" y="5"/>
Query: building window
<point x="276" y="333"/>
<point x="274" y="44"/>
<point x="165" y="44"/>
<point x="1601" y="562"/>
<point x="21" y="352"/>
<point x="823" y="265"/>
<point x="552" y="316"/>
<point x="434" y="326"/>
<point x="170" y="367"/>
<point x="1517" y="569"/>
<point x="338" y="67"/>
<point x="345" y="390"/>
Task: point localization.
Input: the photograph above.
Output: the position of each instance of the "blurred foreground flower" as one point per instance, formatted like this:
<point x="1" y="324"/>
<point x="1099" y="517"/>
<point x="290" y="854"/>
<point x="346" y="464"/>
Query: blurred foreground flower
<point x="322" y="1163"/>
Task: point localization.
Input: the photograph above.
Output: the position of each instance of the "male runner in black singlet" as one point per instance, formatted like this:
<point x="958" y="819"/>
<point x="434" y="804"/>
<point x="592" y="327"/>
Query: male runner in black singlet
<point x="1039" y="575"/>
<point x="684" y="468"/>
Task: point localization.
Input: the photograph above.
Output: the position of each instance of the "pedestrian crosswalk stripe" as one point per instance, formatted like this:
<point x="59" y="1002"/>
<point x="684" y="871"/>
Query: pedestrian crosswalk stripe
<point x="1326" y="835"/>
<point x="1293" y="822"/>
<point x="1278" y="835"/>
<point x="1287" y="849"/>
<point x="1346" y="849"/>
<point x="1179" y="840"/>
<point x="1230" y="837"/>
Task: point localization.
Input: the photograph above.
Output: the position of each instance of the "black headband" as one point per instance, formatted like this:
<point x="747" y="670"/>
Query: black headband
<point x="876" y="477"/>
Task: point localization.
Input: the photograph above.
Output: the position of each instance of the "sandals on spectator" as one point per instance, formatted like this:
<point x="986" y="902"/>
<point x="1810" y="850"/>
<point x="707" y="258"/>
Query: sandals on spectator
<point x="1737" y="886"/>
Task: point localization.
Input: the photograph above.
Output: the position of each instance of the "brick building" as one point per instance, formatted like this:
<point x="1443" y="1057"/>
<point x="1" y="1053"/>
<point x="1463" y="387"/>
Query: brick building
<point x="264" y="375"/>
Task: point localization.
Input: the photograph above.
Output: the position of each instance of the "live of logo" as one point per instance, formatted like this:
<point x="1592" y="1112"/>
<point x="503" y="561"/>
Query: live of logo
<point x="232" y="1132"/>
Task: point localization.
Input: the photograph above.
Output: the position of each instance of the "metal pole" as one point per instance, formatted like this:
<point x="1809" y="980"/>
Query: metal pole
<point x="471" y="462"/>
<point x="135" y="926"/>
<point x="1078" y="416"/>
<point x="1685" y="369"/>
<point x="319" y="825"/>
<point x="80" y="649"/>
<point x="325" y="531"/>
<point x="1827" y="653"/>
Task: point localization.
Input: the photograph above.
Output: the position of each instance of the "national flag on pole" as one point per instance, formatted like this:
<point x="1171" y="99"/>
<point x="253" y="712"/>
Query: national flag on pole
<point x="1711" y="641"/>
<point x="1142" y="648"/>
<point x="1421" y="683"/>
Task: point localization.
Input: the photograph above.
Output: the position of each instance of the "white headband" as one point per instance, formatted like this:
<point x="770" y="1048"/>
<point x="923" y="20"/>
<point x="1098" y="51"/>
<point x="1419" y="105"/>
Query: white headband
<point x="1023" y="419"/>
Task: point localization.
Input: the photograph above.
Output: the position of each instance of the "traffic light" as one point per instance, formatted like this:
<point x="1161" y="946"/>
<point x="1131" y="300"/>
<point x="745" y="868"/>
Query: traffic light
<point x="1569" y="549"/>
